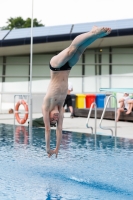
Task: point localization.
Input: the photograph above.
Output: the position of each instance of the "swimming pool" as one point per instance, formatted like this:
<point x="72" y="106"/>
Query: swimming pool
<point x="87" y="167"/>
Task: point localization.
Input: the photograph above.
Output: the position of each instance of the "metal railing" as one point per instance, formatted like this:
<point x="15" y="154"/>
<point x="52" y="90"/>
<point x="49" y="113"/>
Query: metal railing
<point x="108" y="128"/>
<point x="89" y="114"/>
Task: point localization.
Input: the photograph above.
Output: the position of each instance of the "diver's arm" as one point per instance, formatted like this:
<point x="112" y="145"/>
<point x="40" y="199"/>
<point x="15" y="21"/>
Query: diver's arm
<point x="45" y="112"/>
<point x="59" y="131"/>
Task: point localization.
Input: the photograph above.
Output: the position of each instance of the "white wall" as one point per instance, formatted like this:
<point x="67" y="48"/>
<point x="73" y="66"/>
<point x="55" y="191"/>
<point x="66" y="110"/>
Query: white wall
<point x="41" y="65"/>
<point x="90" y="63"/>
<point x="122" y="61"/>
<point x="105" y="61"/>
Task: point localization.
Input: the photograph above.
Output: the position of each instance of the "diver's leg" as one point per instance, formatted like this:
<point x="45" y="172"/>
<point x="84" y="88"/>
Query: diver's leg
<point x="80" y="42"/>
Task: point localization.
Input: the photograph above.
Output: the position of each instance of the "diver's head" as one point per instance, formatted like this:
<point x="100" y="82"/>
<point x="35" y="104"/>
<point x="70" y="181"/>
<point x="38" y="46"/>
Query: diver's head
<point x="54" y="116"/>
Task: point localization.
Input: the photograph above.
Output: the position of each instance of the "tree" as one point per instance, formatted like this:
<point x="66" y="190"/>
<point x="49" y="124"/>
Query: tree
<point x="19" y="22"/>
<point x="35" y="23"/>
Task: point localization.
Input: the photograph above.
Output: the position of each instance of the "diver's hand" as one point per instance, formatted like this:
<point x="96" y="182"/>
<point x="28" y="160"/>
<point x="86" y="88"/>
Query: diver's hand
<point x="50" y="152"/>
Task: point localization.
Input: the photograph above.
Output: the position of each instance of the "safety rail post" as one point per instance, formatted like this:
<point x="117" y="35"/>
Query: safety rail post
<point x="108" y="128"/>
<point x="31" y="63"/>
<point x="93" y="104"/>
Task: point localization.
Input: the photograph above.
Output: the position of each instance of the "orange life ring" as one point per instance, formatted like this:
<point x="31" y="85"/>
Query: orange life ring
<point x="24" y="119"/>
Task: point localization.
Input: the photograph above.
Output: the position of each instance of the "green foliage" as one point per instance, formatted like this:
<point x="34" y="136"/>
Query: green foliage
<point x="19" y="22"/>
<point x="35" y="23"/>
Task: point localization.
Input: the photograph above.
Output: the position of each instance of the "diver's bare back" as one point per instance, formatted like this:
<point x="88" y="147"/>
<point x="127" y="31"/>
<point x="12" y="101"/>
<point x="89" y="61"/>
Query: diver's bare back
<point x="57" y="89"/>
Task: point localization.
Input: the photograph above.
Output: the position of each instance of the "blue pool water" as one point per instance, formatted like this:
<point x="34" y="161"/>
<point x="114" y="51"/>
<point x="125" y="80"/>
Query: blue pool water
<point x="87" y="167"/>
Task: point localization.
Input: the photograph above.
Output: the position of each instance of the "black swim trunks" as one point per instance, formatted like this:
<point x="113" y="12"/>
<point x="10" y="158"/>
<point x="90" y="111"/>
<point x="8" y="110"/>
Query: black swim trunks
<point x="68" y="101"/>
<point x="125" y="109"/>
<point x="63" y="68"/>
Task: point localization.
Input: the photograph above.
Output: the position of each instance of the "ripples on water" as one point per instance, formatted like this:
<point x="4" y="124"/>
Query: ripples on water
<point x="87" y="167"/>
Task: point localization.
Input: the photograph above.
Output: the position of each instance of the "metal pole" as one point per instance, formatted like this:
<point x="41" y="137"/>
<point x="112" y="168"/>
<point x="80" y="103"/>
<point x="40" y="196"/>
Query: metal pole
<point x="30" y="84"/>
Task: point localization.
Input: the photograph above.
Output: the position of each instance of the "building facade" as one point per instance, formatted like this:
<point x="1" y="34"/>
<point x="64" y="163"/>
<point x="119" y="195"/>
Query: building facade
<point x="108" y="62"/>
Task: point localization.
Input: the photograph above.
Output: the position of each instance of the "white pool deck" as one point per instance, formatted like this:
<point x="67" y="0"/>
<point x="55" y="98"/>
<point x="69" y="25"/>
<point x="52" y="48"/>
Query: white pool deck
<point x="78" y="124"/>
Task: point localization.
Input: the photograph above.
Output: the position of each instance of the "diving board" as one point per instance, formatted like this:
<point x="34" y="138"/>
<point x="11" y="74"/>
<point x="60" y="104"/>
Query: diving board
<point x="119" y="90"/>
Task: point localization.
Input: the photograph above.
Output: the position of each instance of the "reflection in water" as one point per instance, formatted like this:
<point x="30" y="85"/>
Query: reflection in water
<point x="66" y="139"/>
<point x="21" y="135"/>
<point x="87" y="166"/>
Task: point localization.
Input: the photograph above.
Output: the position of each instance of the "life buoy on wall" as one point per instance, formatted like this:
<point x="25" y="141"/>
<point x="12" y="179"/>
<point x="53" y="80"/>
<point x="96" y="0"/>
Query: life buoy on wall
<point x="24" y="119"/>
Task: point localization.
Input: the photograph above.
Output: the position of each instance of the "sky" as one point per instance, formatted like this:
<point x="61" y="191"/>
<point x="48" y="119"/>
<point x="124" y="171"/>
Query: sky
<point x="61" y="12"/>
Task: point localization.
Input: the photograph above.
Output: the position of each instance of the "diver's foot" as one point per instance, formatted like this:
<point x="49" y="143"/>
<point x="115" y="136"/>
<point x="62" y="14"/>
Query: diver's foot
<point x="101" y="31"/>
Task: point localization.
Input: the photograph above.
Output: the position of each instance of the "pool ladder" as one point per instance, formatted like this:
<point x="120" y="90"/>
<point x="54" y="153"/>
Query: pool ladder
<point x="89" y="114"/>
<point x="104" y="128"/>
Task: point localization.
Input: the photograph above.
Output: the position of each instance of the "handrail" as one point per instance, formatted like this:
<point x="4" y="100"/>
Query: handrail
<point x="93" y="104"/>
<point x="107" y="128"/>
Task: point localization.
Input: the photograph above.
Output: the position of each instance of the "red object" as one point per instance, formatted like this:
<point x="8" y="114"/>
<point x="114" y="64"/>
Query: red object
<point x="23" y="120"/>
<point x="90" y="98"/>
